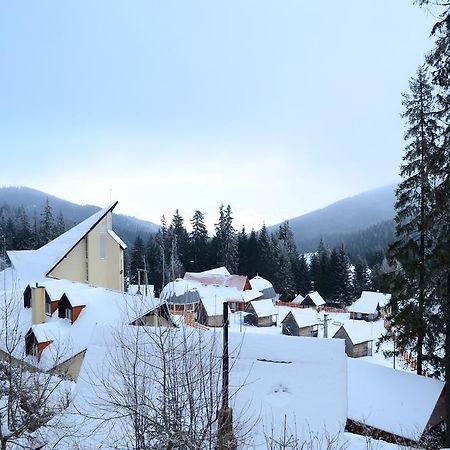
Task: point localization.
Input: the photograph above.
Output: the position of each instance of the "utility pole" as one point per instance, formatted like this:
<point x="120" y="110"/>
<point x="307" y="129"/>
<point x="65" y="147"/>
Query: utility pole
<point x="225" y="438"/>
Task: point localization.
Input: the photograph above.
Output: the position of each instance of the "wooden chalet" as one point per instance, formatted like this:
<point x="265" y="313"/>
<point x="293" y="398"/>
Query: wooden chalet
<point x="261" y="313"/>
<point x="358" y="342"/>
<point x="300" y="323"/>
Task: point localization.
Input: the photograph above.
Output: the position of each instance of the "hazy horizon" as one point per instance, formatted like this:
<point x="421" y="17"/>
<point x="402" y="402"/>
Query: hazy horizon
<point x="274" y="108"/>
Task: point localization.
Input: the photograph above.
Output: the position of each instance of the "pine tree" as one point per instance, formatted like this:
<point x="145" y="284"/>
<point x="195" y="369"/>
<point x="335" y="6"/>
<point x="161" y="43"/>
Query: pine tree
<point x="46" y="230"/>
<point x="199" y="242"/>
<point x="265" y="263"/>
<point x="23" y="238"/>
<point x="136" y="259"/>
<point x="180" y="244"/>
<point x="225" y="240"/>
<point x="301" y="275"/>
<point x="242" y="245"/>
<point x="412" y="283"/>
<point x="361" y="280"/>
<point x="343" y="287"/>
<point x="60" y="225"/>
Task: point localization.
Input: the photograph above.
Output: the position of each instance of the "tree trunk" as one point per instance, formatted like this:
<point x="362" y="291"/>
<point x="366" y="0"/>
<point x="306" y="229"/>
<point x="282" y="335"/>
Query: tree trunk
<point x="447" y="362"/>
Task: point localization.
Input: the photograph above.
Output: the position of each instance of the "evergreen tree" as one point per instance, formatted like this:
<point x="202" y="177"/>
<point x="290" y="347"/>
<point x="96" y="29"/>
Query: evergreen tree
<point x="301" y="275"/>
<point x="46" y="230"/>
<point x="23" y="238"/>
<point x="199" y="242"/>
<point x="242" y="245"/>
<point x="343" y="286"/>
<point x="265" y="263"/>
<point x="60" y="225"/>
<point x="136" y="260"/>
<point x="361" y="280"/>
<point x="411" y="283"/>
<point x="225" y="240"/>
<point x="180" y="245"/>
<point x="253" y="256"/>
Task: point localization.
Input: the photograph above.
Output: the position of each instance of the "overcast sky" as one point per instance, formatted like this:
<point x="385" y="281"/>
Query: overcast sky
<point x="277" y="107"/>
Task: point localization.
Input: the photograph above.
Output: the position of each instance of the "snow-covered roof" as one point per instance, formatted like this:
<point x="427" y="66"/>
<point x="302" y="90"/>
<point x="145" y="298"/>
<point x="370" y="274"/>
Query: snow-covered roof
<point x="102" y="306"/>
<point x="285" y="377"/>
<point x="391" y="400"/>
<point x="289" y="377"/>
<point x="260" y="283"/>
<point x="38" y="263"/>
<point x="117" y="239"/>
<point x="216" y="271"/>
<point x="214" y="279"/>
<point x="358" y="331"/>
<point x="251" y="294"/>
<point x="140" y="289"/>
<point x="264" y="308"/>
<point x="298" y="299"/>
<point x="316" y="298"/>
<point x="304" y="317"/>
<point x="191" y="290"/>
<point x="213" y="306"/>
<point x="368" y="302"/>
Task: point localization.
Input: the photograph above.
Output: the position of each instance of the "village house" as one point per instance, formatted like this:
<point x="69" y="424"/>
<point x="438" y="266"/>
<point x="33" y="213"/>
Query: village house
<point x="261" y="313"/>
<point x="358" y="341"/>
<point x="71" y="285"/>
<point x="185" y="293"/>
<point x="369" y="307"/>
<point x="264" y="286"/>
<point x="312" y="300"/>
<point x="210" y="311"/>
<point x="300" y="323"/>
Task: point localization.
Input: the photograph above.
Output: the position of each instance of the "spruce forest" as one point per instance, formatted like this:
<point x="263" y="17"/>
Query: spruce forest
<point x="173" y="250"/>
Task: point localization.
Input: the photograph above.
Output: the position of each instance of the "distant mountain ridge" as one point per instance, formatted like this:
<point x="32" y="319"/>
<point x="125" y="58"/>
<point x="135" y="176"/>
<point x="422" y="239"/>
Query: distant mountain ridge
<point x="368" y="213"/>
<point x="33" y="200"/>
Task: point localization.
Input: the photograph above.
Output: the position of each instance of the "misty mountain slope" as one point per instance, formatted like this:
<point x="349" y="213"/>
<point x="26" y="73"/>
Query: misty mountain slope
<point x="345" y="216"/>
<point x="33" y="201"/>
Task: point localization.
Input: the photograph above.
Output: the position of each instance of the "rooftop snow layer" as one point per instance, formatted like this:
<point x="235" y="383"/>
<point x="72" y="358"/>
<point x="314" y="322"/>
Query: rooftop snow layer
<point x="304" y="317"/>
<point x="260" y="283"/>
<point x="368" y="302"/>
<point x="358" y="331"/>
<point x="38" y="263"/>
<point x="316" y="298"/>
<point x="264" y="308"/>
<point x="392" y="400"/>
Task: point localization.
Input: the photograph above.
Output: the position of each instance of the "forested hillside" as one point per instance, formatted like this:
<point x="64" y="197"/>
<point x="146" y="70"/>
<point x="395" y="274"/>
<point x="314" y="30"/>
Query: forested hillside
<point x="16" y="203"/>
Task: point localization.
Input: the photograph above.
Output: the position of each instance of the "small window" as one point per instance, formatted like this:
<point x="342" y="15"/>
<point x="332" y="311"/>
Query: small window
<point x="68" y="314"/>
<point x="48" y="308"/>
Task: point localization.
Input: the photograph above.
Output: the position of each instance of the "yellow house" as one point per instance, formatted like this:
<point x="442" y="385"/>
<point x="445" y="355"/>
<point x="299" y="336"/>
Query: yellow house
<point x="88" y="253"/>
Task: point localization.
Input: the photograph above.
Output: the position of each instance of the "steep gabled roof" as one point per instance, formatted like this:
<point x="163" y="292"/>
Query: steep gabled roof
<point x="42" y="261"/>
<point x="368" y="302"/>
<point x="357" y="331"/>
<point x="264" y="308"/>
<point x="316" y="298"/>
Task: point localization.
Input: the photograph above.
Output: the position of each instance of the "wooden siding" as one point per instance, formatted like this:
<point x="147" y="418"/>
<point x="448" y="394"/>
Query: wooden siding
<point x="209" y="321"/>
<point x="354" y="350"/>
<point x="308" y="303"/>
<point x="364" y="316"/>
<point x="290" y="327"/>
